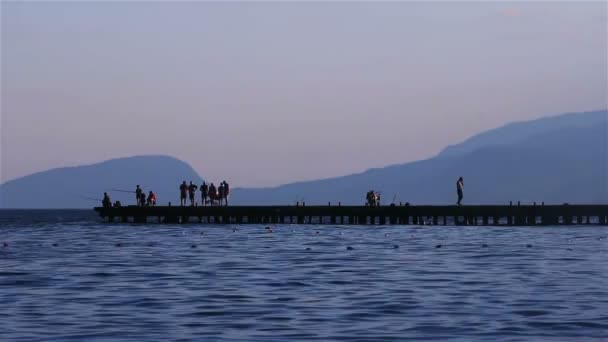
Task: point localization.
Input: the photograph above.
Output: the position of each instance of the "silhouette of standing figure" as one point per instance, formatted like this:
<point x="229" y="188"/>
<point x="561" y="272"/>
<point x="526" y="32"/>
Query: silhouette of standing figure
<point x="192" y="192"/>
<point x="183" y="193"/>
<point x="138" y="192"/>
<point x="212" y="193"/>
<point x="226" y="192"/>
<point x="459" y="189"/>
<point x="204" y="193"/>
<point x="220" y="193"/>
<point x="106" y="202"/>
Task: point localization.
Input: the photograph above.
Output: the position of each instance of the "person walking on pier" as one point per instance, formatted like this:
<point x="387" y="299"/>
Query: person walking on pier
<point x="192" y="192"/>
<point x="226" y="192"/>
<point x="106" y="202"/>
<point x="459" y="189"/>
<point x="138" y="192"/>
<point x="183" y="192"/>
<point x="204" y="193"/>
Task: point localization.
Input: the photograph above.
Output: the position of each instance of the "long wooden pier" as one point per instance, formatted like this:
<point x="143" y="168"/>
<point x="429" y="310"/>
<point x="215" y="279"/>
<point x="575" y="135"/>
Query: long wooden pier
<point x="471" y="215"/>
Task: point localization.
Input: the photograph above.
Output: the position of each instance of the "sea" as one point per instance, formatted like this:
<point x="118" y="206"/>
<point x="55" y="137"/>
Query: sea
<point x="69" y="276"/>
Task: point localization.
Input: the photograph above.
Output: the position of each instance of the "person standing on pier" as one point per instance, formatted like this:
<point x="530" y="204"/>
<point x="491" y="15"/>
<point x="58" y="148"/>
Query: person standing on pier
<point x="212" y="193"/>
<point x="138" y="192"/>
<point x="183" y="191"/>
<point x="459" y="189"/>
<point x="226" y="192"/>
<point x="204" y="193"/>
<point x="106" y="202"/>
<point x="220" y="193"/>
<point x="192" y="192"/>
<point x="142" y="199"/>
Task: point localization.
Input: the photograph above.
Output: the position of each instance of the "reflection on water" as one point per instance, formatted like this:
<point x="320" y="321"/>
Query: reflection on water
<point x="66" y="276"/>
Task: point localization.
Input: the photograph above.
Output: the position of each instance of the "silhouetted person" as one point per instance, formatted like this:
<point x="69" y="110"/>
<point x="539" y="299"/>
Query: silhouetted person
<point x="191" y="192"/>
<point x="117" y="204"/>
<point x="204" y="193"/>
<point x="138" y="192"/>
<point x="212" y="193"/>
<point x="220" y="193"/>
<point x="183" y="193"/>
<point x="142" y="199"/>
<point x="226" y="191"/>
<point x="459" y="189"/>
<point x="106" y="202"/>
<point x="151" y="199"/>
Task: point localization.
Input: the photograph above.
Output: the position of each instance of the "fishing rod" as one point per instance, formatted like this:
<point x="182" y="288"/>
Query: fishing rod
<point x="132" y="192"/>
<point x="91" y="199"/>
<point x="88" y="198"/>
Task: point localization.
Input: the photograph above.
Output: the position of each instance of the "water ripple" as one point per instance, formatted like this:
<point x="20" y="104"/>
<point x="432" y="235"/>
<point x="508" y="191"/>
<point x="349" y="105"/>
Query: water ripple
<point x="64" y="276"/>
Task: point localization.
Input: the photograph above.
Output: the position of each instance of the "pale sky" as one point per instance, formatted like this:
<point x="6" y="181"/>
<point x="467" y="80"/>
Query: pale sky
<point x="268" y="93"/>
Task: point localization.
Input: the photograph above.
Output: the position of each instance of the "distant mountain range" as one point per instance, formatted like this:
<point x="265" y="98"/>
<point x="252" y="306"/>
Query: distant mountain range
<point x="556" y="159"/>
<point x="77" y="187"/>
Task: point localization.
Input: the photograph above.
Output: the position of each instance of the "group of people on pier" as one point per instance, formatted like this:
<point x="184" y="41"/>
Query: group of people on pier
<point x="142" y="200"/>
<point x="140" y="197"/>
<point x="212" y="195"/>
<point x="372" y="199"/>
<point x="209" y="193"/>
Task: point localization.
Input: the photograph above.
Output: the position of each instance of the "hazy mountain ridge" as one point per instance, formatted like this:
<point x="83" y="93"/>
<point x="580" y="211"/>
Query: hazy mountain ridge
<point x="66" y="187"/>
<point x="565" y="161"/>
<point x="555" y="160"/>
<point x="518" y="132"/>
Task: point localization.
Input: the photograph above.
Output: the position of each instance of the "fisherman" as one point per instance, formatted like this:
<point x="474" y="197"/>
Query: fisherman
<point x="183" y="193"/>
<point x="212" y="193"/>
<point x="459" y="189"/>
<point x="142" y="199"/>
<point x="138" y="192"/>
<point x="226" y="191"/>
<point x="117" y="204"/>
<point x="220" y="192"/>
<point x="204" y="193"/>
<point x="106" y="202"/>
<point x="192" y="191"/>
<point x="151" y="199"/>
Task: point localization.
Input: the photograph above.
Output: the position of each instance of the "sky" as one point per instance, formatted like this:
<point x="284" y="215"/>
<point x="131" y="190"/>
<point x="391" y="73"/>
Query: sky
<point x="265" y="93"/>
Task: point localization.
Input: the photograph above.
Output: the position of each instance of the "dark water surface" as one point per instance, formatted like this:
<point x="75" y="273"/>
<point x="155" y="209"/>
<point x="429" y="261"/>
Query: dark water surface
<point x="66" y="276"/>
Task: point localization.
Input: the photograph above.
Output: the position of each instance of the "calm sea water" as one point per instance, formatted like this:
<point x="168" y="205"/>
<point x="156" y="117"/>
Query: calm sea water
<point x="67" y="276"/>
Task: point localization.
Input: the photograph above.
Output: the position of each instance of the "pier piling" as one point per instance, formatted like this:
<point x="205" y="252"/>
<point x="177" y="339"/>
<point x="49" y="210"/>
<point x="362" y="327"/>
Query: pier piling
<point x="519" y="215"/>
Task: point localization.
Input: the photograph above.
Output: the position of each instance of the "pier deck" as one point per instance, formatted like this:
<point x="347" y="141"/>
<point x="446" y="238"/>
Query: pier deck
<point x="471" y="215"/>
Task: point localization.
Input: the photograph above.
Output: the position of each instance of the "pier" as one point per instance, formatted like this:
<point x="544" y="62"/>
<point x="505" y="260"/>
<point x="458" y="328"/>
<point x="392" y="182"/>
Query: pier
<point x="469" y="215"/>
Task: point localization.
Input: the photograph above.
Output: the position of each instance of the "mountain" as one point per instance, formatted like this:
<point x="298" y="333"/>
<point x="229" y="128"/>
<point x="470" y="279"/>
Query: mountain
<point x="555" y="160"/>
<point x="70" y="187"/>
<point x="518" y="132"/>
